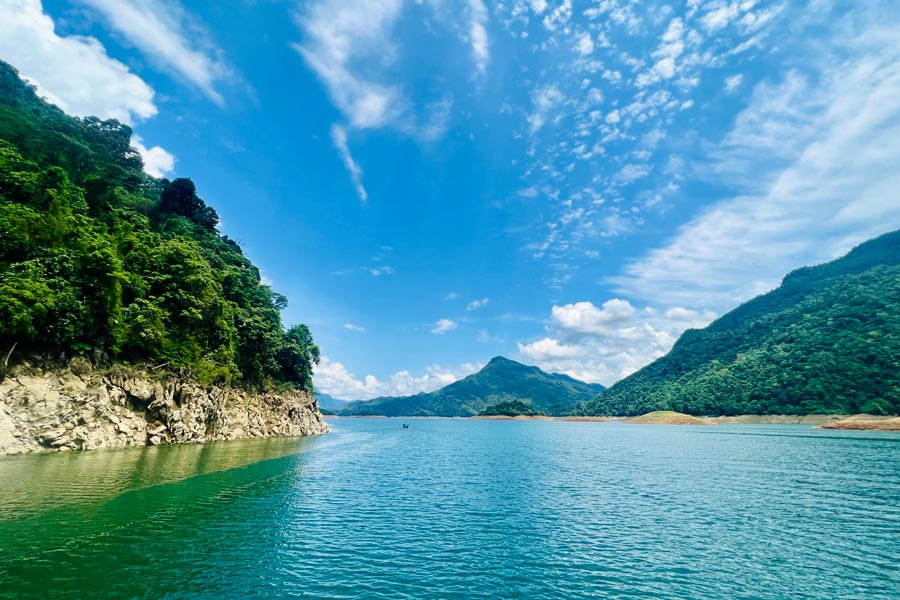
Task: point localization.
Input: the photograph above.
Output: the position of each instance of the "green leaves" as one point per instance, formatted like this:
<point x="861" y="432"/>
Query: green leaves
<point x="826" y="341"/>
<point x="96" y="255"/>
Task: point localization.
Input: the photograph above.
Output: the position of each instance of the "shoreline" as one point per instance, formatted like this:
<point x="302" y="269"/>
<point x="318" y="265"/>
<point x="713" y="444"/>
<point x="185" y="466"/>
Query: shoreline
<point x="832" y="421"/>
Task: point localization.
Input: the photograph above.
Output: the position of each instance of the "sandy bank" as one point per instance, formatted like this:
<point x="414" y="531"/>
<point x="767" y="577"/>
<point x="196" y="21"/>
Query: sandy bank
<point x="668" y="417"/>
<point x="865" y="422"/>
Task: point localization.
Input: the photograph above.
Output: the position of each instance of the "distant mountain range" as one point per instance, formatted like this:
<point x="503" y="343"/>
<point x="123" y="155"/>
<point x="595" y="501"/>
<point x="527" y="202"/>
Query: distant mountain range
<point x="501" y="380"/>
<point x="328" y="402"/>
<point x="826" y="341"/>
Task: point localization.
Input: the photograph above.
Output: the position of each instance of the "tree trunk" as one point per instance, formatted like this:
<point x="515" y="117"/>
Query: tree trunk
<point x="5" y="363"/>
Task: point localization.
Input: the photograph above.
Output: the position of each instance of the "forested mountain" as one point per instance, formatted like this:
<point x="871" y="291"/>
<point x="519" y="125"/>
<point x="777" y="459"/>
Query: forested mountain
<point x="826" y="341"/>
<point x="98" y="258"/>
<point x="501" y="380"/>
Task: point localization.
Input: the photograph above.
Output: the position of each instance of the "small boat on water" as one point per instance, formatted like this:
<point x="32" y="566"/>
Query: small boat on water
<point x="406" y="426"/>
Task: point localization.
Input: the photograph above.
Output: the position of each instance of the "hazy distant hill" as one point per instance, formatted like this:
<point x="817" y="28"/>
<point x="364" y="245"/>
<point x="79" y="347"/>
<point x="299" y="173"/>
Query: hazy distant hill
<point x="327" y="401"/>
<point x="826" y="341"/>
<point x="501" y="380"/>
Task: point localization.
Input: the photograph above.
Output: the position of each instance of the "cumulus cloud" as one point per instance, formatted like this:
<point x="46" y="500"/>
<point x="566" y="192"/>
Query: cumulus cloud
<point x="333" y="378"/>
<point x="339" y="139"/>
<point x="604" y="344"/>
<point x="73" y="72"/>
<point x="164" y="32"/>
<point x="157" y="161"/>
<point x="585" y="44"/>
<point x="442" y="326"/>
<point x="476" y="304"/>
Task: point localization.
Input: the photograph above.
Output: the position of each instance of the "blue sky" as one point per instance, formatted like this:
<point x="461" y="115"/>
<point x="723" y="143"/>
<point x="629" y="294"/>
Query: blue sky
<point x="432" y="183"/>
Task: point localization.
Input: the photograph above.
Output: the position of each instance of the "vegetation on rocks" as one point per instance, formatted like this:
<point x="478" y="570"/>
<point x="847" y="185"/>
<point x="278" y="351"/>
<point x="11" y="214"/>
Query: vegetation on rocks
<point x="512" y="408"/>
<point x="99" y="259"/>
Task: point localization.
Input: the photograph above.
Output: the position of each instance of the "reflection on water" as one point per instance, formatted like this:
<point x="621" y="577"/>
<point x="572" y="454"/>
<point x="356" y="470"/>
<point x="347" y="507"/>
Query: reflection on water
<point x="453" y="510"/>
<point x="40" y="482"/>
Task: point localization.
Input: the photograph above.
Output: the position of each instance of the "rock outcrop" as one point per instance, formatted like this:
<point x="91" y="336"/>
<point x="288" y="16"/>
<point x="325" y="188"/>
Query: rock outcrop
<point x="59" y="410"/>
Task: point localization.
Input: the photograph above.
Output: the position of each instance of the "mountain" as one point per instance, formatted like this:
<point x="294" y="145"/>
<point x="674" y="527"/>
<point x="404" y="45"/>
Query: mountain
<point x="328" y="402"/>
<point x="100" y="260"/>
<point x="826" y="341"/>
<point x="501" y="380"/>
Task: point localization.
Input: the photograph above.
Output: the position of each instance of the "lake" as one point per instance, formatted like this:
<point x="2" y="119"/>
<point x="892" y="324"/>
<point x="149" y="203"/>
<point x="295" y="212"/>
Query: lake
<point x="453" y="508"/>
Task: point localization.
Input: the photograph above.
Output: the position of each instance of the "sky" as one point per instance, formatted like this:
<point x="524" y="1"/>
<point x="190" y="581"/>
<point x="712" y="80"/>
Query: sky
<point x="434" y="183"/>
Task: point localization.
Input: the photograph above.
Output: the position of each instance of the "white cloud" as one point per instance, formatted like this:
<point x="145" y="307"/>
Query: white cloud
<point x="733" y="82"/>
<point x="162" y="30"/>
<point x="157" y="161"/>
<point x="73" y="72"/>
<point x="585" y="44"/>
<point x="354" y="327"/>
<point x="379" y="271"/>
<point x="719" y="18"/>
<point x="451" y="296"/>
<point x="339" y="34"/>
<point x="476" y="304"/>
<point x="335" y="379"/>
<point x="442" y="326"/>
<point x="585" y="318"/>
<point x="605" y="344"/>
<point x="339" y="138"/>
<point x="478" y="34"/>
<point x="559" y="16"/>
<point x="823" y="158"/>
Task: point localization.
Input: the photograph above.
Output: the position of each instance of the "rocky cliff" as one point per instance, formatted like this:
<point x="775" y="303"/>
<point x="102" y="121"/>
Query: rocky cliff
<point x="75" y="408"/>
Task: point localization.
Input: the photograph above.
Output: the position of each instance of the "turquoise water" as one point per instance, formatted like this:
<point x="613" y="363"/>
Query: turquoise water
<point x="463" y="509"/>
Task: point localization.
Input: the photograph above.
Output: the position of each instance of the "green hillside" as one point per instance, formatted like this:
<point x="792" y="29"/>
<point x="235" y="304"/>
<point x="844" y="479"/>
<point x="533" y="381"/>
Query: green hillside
<point x="99" y="259"/>
<point x="501" y="380"/>
<point x="826" y="341"/>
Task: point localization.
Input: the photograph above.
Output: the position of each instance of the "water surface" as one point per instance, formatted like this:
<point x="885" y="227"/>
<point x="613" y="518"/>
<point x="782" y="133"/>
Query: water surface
<point x="463" y="509"/>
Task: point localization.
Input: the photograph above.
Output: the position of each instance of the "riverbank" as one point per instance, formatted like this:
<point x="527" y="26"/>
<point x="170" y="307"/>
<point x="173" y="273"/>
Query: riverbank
<point x="62" y="409"/>
<point x="866" y="422"/>
<point x="861" y="421"/>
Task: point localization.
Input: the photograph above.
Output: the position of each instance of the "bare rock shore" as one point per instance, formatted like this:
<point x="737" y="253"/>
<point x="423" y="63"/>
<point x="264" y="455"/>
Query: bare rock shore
<point x="866" y="422"/>
<point x="59" y="410"/>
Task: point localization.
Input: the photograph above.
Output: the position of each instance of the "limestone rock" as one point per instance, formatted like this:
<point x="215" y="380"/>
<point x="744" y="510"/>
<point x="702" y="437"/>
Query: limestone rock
<point x="61" y="410"/>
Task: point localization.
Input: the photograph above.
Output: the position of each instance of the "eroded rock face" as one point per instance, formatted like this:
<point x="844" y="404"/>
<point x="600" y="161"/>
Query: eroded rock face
<point x="62" y="411"/>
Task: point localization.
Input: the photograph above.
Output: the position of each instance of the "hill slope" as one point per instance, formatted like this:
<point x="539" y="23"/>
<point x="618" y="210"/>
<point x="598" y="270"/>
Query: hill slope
<point x="99" y="259"/>
<point x="826" y="341"/>
<point x="501" y="380"/>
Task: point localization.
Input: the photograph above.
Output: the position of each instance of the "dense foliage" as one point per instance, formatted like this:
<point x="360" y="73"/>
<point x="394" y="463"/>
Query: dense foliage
<point x="501" y="380"/>
<point x="513" y="408"/>
<point x="826" y="341"/>
<point x="98" y="258"/>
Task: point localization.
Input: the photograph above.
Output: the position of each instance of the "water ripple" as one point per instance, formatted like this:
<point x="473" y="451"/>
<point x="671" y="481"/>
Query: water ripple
<point x="464" y="509"/>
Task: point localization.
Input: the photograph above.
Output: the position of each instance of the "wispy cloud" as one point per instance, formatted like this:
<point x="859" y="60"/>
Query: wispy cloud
<point x="380" y="271"/>
<point x="339" y="138"/>
<point x="476" y="304"/>
<point x="354" y="327"/>
<point x="339" y="34"/>
<point x="823" y="162"/>
<point x="73" y="72"/>
<point x="478" y="36"/>
<point x="170" y="37"/>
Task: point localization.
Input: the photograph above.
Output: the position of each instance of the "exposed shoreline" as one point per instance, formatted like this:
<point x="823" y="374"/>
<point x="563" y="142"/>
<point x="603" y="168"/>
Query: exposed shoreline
<point x="858" y="422"/>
